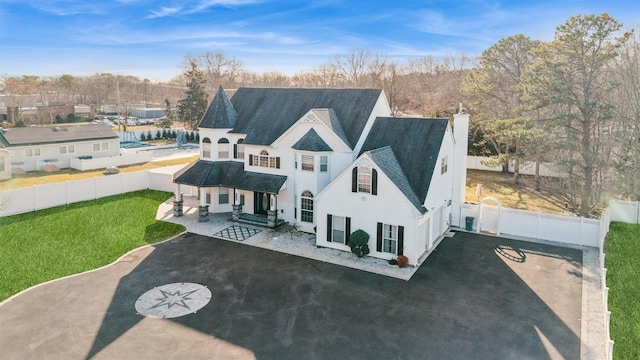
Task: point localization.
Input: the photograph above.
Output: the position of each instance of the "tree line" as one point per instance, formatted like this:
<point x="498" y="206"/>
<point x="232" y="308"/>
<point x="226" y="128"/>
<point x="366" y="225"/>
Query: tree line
<point x="574" y="100"/>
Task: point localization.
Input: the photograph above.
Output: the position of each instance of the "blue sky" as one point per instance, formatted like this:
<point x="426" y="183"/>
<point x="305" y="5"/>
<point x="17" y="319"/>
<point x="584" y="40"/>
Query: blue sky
<point x="149" y="38"/>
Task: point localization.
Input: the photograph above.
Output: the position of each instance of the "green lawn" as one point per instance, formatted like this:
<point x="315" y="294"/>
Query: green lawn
<point x="39" y="246"/>
<point x="622" y="249"/>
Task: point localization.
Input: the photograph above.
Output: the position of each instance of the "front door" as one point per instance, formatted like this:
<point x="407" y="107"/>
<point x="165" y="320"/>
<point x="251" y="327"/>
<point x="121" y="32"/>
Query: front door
<point x="261" y="203"/>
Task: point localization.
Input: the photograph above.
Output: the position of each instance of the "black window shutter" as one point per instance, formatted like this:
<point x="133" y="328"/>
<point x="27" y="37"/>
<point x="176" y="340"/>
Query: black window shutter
<point x="400" y="239"/>
<point x="235" y="151"/>
<point x="379" y="242"/>
<point x="250" y="159"/>
<point x="329" y="219"/>
<point x="374" y="182"/>
<point x="354" y="179"/>
<point x="347" y="230"/>
<point x="278" y="162"/>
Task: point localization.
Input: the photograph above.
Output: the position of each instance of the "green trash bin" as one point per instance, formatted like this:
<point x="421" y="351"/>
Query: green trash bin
<point x="469" y="223"/>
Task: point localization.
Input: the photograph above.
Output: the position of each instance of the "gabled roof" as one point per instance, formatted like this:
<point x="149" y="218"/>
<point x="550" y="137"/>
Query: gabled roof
<point x="220" y="114"/>
<point x="329" y="117"/>
<point x="266" y="113"/>
<point x="311" y="141"/>
<point x="386" y="160"/>
<point x="231" y="174"/>
<point x="17" y="136"/>
<point x="415" y="144"/>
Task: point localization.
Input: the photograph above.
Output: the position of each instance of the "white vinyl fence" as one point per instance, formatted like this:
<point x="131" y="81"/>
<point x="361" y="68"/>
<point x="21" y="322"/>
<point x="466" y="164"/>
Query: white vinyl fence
<point x="569" y="230"/>
<point x="39" y="197"/>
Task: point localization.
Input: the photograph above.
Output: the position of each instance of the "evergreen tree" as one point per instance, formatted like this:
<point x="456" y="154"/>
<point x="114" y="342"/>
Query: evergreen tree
<point x="169" y="116"/>
<point x="570" y="77"/>
<point x="193" y="106"/>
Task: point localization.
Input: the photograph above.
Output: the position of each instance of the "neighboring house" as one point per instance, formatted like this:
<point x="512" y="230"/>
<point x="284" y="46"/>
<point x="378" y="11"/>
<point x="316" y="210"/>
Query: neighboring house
<point x="5" y="164"/>
<point x="32" y="148"/>
<point x="330" y="161"/>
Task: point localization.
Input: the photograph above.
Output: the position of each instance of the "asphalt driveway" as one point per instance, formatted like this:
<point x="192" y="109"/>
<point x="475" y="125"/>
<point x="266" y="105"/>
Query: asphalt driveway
<point x="476" y="297"/>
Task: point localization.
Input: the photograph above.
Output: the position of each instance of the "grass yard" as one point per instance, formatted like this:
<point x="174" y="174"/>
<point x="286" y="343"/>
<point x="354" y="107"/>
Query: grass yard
<point x="515" y="196"/>
<point x="47" y="244"/>
<point x="622" y="249"/>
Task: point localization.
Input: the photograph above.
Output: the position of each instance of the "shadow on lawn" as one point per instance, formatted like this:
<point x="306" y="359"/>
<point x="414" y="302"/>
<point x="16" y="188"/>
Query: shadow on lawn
<point x="467" y="301"/>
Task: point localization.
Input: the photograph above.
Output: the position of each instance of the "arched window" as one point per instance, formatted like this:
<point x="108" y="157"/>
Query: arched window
<point x="206" y="147"/>
<point x="264" y="158"/>
<point x="238" y="149"/>
<point x="223" y="148"/>
<point x="306" y="206"/>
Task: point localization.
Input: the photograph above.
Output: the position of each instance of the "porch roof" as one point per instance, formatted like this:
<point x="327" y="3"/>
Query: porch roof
<point x="229" y="174"/>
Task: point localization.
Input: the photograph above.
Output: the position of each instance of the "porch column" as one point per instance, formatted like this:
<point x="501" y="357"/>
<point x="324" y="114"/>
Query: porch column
<point x="272" y="213"/>
<point x="177" y="203"/>
<point x="237" y="207"/>
<point x="203" y="209"/>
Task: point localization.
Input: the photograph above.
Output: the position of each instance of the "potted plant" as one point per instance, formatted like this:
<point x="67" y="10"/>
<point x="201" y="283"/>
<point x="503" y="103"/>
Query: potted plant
<point x="402" y="261"/>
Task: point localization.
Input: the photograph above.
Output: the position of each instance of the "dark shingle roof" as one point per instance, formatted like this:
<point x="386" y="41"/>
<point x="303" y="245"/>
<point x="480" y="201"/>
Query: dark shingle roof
<point x="59" y="134"/>
<point x="415" y="144"/>
<point x="311" y="141"/>
<point x="220" y="114"/>
<point x="266" y="113"/>
<point x="388" y="163"/>
<point x="229" y="174"/>
<point x="330" y="118"/>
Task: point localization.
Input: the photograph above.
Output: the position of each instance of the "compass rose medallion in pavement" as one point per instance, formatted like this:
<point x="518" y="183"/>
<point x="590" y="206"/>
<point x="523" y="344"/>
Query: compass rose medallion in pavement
<point x="173" y="300"/>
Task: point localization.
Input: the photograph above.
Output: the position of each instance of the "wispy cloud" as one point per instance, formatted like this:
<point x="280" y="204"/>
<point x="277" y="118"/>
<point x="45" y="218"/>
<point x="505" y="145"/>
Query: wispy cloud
<point x="67" y="7"/>
<point x="205" y="4"/>
<point x="164" y="11"/>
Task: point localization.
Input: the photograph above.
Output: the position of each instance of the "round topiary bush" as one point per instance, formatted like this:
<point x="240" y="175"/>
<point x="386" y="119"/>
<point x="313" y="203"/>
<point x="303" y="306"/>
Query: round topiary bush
<point x="359" y="243"/>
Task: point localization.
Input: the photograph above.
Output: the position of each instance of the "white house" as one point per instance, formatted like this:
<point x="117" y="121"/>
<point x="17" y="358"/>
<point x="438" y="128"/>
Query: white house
<point x="33" y="147"/>
<point x="330" y="161"/>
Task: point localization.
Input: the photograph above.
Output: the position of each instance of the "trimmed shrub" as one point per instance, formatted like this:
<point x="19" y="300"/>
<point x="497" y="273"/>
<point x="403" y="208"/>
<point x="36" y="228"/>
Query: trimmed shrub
<point x="359" y="243"/>
<point x="143" y="137"/>
<point x="158" y="135"/>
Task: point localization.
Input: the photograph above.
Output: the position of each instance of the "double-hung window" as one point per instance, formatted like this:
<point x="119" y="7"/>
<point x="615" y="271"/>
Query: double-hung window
<point x="223" y="195"/>
<point x="324" y="163"/>
<point x="32" y="152"/>
<point x="307" y="162"/>
<point x="390" y="239"/>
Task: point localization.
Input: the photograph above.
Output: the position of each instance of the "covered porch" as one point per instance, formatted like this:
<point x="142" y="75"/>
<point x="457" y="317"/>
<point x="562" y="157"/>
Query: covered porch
<point x="205" y="175"/>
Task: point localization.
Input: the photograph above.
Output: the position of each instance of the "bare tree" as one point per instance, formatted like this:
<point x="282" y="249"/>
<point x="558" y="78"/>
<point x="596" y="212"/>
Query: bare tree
<point x="217" y="69"/>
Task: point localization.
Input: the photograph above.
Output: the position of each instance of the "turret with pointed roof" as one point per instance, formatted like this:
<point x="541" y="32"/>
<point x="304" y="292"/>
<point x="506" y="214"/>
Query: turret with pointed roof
<point x="221" y="114"/>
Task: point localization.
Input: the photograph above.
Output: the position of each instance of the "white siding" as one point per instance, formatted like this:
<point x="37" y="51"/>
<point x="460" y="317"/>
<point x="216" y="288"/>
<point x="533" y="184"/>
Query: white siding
<point x="50" y="152"/>
<point x="390" y="206"/>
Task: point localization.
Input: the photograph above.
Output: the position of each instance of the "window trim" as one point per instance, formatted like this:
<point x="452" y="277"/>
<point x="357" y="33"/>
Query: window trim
<point x="33" y="152"/>
<point x="223" y="148"/>
<point x="309" y="164"/>
<point x="306" y="207"/>
<point x="206" y="147"/>
<point x="324" y="163"/>
<point x="223" y="194"/>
